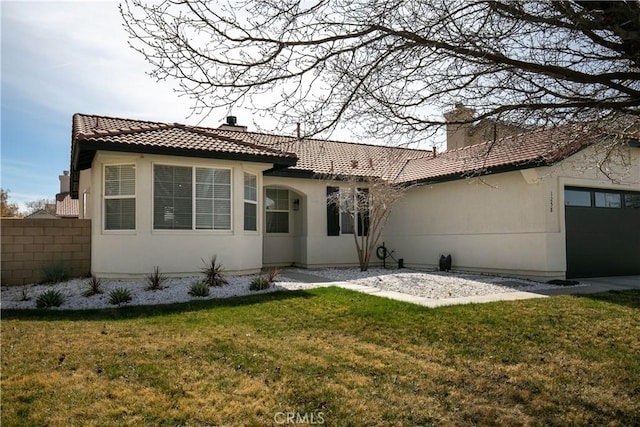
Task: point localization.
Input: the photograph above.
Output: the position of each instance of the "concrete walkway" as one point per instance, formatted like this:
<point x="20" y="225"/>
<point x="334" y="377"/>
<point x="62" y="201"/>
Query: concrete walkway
<point x="590" y="285"/>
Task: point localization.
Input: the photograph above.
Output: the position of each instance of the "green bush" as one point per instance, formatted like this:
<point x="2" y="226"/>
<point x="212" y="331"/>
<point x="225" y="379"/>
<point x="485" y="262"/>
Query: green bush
<point x="119" y="296"/>
<point x="259" y="283"/>
<point x="55" y="272"/>
<point x="94" y="287"/>
<point x="213" y="273"/>
<point x="199" y="289"/>
<point x="50" y="298"/>
<point x="155" y="280"/>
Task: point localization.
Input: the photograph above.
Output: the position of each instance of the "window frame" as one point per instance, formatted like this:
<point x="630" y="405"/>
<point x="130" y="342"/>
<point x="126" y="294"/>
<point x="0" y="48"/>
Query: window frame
<point x="334" y="210"/>
<point x="106" y="197"/>
<point x="194" y="226"/>
<point x="287" y="211"/>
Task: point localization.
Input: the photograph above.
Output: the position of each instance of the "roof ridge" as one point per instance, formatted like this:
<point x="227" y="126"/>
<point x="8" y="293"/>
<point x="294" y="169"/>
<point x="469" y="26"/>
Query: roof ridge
<point x="201" y="130"/>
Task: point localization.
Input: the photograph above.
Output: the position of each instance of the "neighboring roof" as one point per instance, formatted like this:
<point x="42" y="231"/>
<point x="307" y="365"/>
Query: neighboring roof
<point x="41" y="214"/>
<point x="66" y="207"/>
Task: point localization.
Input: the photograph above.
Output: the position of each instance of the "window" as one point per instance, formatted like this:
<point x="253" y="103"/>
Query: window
<point x="632" y="200"/>
<point x="608" y="200"/>
<point x="120" y="197"/>
<point x="339" y="219"/>
<point x="277" y="207"/>
<point x="184" y="196"/>
<point x="577" y="198"/>
<point x="250" y="202"/>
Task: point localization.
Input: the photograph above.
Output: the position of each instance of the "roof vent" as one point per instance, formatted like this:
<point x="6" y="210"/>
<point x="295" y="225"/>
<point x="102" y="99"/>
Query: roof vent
<point x="232" y="124"/>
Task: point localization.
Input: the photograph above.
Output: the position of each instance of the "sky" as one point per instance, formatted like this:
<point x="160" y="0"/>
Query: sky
<point x="61" y="58"/>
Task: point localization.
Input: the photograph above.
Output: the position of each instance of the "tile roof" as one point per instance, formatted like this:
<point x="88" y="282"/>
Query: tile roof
<point x="333" y="158"/>
<point x="91" y="133"/>
<point x="311" y="157"/>
<point x="541" y="147"/>
<point x="66" y="207"/>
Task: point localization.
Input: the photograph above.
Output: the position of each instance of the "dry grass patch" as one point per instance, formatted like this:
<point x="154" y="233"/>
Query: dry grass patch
<point x="354" y="358"/>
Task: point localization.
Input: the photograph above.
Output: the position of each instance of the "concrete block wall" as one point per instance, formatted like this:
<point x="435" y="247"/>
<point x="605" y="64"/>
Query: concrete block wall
<point x="27" y="246"/>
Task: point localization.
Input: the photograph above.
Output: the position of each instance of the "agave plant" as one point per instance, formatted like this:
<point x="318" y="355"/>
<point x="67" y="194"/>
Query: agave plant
<point x="213" y="273"/>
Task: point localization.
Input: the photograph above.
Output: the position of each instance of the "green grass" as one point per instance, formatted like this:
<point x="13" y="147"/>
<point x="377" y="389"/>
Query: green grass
<point x="349" y="358"/>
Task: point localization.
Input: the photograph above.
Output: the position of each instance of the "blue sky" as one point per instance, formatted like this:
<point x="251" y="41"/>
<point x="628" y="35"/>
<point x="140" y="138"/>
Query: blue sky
<point x="60" y="58"/>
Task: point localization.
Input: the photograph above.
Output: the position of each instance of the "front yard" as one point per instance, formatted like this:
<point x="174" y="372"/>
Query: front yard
<point x="326" y="356"/>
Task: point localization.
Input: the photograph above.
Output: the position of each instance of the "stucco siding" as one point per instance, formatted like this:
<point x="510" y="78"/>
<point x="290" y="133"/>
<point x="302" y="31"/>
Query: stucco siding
<point x="176" y="252"/>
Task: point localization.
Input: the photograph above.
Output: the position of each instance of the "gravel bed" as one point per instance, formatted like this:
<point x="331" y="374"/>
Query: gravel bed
<point x="434" y="285"/>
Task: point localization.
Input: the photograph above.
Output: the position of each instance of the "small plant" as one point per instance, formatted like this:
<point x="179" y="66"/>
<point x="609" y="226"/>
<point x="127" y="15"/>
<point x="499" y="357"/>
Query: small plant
<point x="94" y="287"/>
<point x="272" y="274"/>
<point x="259" y="283"/>
<point x="24" y="296"/>
<point x="155" y="280"/>
<point x="119" y="296"/>
<point x="213" y="273"/>
<point x="55" y="272"/>
<point x="50" y="298"/>
<point x="199" y="289"/>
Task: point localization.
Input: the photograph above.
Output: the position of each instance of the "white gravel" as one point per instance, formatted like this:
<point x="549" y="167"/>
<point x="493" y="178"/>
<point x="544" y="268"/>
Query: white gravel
<point x="434" y="285"/>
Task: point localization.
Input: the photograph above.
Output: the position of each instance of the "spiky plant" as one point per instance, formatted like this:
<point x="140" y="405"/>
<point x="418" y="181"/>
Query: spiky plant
<point x="259" y="283"/>
<point x="199" y="289"/>
<point x="94" y="287"/>
<point x="272" y="274"/>
<point x="119" y="296"/>
<point x="50" y="298"/>
<point x="155" y="280"/>
<point x="213" y="272"/>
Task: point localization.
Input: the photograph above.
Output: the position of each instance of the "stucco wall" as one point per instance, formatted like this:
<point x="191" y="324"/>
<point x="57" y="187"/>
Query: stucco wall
<point x="175" y="252"/>
<point x="510" y="223"/>
<point x="30" y="245"/>
<point x="312" y="246"/>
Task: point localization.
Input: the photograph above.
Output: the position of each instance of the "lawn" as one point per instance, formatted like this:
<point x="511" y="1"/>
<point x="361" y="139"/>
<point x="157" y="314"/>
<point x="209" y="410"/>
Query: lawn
<point x="327" y="356"/>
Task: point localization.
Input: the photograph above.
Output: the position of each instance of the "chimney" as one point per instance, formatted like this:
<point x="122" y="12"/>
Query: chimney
<point x="64" y="182"/>
<point x="457" y="132"/>
<point x="232" y="124"/>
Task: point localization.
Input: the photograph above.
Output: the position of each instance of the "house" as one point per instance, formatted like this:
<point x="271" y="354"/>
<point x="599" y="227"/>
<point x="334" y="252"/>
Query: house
<point x="524" y="204"/>
<point x="66" y="206"/>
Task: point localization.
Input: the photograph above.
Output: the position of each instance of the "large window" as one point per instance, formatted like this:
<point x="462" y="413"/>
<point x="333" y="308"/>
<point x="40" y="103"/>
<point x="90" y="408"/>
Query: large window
<point x="250" y="202"/>
<point x="277" y="207"/>
<point x="120" y="197"/>
<point x="186" y="198"/>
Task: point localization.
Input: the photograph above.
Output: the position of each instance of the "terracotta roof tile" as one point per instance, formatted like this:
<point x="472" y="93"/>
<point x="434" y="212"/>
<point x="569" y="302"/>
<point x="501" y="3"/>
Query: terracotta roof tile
<point x="66" y="206"/>
<point x="536" y="148"/>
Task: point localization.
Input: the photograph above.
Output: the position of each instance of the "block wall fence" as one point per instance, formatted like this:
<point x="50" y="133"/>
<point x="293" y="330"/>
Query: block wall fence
<point x="27" y="246"/>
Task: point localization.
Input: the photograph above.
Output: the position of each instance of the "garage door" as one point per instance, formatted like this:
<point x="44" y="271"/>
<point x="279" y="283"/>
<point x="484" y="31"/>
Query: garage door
<point x="602" y="232"/>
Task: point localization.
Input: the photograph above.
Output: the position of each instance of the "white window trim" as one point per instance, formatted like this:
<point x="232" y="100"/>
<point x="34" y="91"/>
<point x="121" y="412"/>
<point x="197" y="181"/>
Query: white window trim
<point x="288" y="211"/>
<point x="193" y="228"/>
<point x="254" y="202"/>
<point x="127" y="196"/>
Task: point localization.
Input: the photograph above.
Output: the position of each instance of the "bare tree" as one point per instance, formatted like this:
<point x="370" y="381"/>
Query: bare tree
<point x="48" y="205"/>
<point x="395" y="65"/>
<point x="365" y="203"/>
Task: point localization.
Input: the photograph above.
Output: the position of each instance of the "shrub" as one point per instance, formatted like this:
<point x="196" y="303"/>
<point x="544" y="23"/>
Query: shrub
<point x="55" y="272"/>
<point x="24" y="296"/>
<point x="213" y="273"/>
<point x="119" y="296"/>
<point x="94" y="286"/>
<point x="199" y="289"/>
<point x="272" y="274"/>
<point x="155" y="280"/>
<point x="50" y="298"/>
<point x="259" y="283"/>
